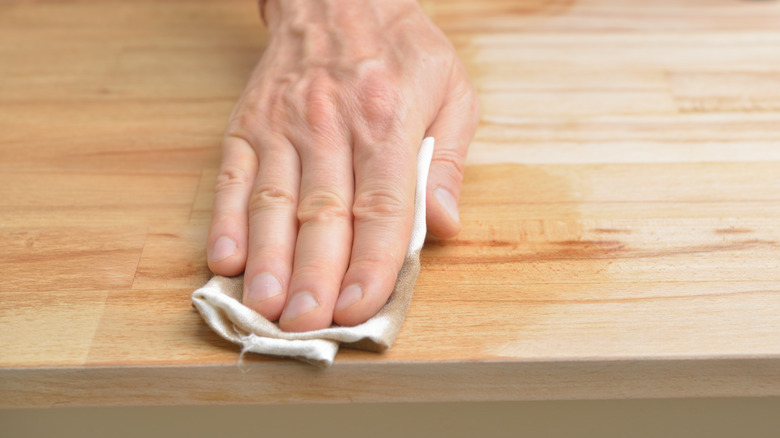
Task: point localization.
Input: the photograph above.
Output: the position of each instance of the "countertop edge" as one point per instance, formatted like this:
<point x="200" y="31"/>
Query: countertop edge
<point x="281" y="382"/>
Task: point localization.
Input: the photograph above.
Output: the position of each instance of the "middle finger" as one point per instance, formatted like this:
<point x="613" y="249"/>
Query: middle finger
<point x="324" y="242"/>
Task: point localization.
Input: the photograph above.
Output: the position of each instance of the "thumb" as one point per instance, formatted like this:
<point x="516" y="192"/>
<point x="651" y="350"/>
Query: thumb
<point x="452" y="131"/>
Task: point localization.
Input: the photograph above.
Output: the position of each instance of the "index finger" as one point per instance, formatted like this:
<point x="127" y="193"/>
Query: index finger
<point x="385" y="176"/>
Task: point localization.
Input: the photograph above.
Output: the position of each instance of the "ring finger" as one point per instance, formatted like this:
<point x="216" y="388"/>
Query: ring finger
<point x="272" y="227"/>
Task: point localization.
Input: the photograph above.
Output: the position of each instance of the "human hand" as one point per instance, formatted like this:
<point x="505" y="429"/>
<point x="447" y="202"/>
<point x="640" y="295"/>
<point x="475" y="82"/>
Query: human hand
<point x="315" y="195"/>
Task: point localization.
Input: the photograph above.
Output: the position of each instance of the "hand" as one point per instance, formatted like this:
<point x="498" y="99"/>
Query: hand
<point x="315" y="194"/>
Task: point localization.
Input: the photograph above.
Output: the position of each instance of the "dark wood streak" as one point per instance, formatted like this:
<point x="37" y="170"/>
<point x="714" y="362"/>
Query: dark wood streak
<point x="71" y="255"/>
<point x="733" y="231"/>
<point x="466" y="242"/>
<point x="594" y="250"/>
<point x="611" y="231"/>
<point x="171" y="235"/>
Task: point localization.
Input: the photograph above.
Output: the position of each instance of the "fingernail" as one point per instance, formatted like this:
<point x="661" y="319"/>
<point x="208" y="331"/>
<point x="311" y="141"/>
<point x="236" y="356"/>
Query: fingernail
<point x="301" y="303"/>
<point x="446" y="200"/>
<point x="224" y="247"/>
<point x="349" y="296"/>
<point x="263" y="287"/>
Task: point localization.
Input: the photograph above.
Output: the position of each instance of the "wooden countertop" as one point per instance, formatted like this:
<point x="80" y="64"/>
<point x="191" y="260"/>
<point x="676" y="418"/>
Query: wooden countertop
<point x="621" y="209"/>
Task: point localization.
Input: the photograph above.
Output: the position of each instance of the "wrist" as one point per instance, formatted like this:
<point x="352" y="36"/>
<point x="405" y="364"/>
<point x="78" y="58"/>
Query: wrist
<point x="278" y="12"/>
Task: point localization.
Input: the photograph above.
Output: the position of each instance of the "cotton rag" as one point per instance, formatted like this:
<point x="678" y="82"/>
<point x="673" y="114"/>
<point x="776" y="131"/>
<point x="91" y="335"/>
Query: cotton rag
<point x="219" y="303"/>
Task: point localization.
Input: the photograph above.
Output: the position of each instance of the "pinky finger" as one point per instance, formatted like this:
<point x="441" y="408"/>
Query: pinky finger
<point x="228" y="233"/>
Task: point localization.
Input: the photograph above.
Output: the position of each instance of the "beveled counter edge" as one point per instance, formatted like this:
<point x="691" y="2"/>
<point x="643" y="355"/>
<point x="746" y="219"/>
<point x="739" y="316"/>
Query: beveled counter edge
<point x="284" y="382"/>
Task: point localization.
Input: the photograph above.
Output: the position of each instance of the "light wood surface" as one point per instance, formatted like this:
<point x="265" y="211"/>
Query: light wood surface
<point x="621" y="208"/>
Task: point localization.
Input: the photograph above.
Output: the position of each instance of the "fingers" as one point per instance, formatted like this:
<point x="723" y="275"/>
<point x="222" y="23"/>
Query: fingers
<point x="453" y="130"/>
<point x="272" y="228"/>
<point x="288" y="213"/>
<point x="383" y="213"/>
<point x="324" y="236"/>
<point x="226" y="244"/>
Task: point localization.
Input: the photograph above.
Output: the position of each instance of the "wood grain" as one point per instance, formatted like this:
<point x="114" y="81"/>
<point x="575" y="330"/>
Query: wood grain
<point x="620" y="209"/>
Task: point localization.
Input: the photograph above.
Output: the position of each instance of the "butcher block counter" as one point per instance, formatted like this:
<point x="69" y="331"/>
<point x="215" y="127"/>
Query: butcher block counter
<point x="620" y="209"/>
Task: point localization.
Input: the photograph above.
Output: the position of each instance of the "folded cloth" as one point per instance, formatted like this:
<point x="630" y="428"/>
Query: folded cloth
<point x="219" y="303"/>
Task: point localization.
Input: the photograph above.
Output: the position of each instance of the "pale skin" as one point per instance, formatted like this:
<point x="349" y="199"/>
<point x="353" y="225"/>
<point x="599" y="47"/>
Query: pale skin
<point x="315" y="194"/>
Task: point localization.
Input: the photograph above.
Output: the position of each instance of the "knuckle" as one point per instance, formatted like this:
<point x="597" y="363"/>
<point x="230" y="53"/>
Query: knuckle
<point x="378" y="264"/>
<point x="372" y="205"/>
<point x="322" y="206"/>
<point x="380" y="101"/>
<point x="375" y="262"/>
<point x="320" y="105"/>
<point x="259" y="109"/>
<point x="245" y="118"/>
<point x="233" y="176"/>
<point x="268" y="196"/>
<point x="451" y="161"/>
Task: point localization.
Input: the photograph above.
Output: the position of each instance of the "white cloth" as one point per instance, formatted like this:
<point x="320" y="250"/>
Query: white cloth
<point x="219" y="303"/>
